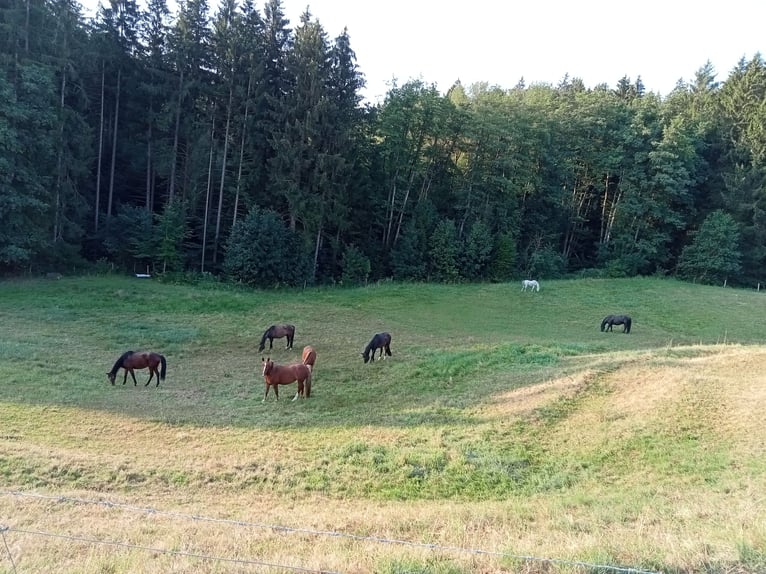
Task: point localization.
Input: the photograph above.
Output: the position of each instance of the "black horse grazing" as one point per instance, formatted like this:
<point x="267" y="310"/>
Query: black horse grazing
<point x="611" y="320"/>
<point x="277" y="332"/>
<point x="130" y="360"/>
<point x="379" y="341"/>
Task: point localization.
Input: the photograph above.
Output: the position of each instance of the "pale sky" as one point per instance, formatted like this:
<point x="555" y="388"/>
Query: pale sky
<point x="501" y="41"/>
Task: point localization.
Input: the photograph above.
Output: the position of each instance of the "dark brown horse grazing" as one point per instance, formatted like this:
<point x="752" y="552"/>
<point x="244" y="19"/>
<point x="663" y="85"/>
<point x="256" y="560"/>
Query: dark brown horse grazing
<point x="277" y="332"/>
<point x="611" y="320"/>
<point x="379" y="341"/>
<point x="275" y="375"/>
<point x="309" y="357"/>
<point x="131" y="360"/>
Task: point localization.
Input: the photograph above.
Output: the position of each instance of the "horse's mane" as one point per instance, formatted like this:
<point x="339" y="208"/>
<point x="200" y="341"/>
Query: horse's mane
<point x="266" y="334"/>
<point x="119" y="362"/>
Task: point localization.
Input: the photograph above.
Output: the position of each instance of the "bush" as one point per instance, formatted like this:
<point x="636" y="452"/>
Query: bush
<point x="356" y="267"/>
<point x="505" y="258"/>
<point x="407" y="260"/>
<point x="714" y="252"/>
<point x="547" y="263"/>
<point x="263" y="252"/>
<point x="477" y="255"/>
<point x="443" y="252"/>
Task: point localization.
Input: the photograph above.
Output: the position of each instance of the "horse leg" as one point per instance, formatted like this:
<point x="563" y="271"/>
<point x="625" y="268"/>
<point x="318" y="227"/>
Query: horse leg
<point x="265" y="394"/>
<point x="151" y="376"/>
<point x="125" y="376"/>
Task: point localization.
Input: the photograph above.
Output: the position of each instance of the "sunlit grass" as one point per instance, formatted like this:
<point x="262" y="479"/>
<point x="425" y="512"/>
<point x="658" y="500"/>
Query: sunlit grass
<point x="505" y="421"/>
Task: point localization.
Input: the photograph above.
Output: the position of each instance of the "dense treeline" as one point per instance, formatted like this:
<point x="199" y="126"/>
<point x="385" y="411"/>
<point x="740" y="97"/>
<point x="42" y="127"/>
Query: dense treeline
<point x="231" y="143"/>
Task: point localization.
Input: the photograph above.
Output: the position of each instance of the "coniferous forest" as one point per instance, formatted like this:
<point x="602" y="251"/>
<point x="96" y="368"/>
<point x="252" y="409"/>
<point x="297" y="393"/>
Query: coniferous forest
<point x="234" y="144"/>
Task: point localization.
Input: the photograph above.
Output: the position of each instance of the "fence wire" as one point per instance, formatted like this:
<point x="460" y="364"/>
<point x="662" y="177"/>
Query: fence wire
<point x="277" y="528"/>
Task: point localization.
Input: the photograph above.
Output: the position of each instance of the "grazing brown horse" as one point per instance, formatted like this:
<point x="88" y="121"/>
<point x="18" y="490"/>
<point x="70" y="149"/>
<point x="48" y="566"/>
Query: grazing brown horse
<point x="277" y="332"/>
<point x="131" y="360"/>
<point x="309" y="357"/>
<point x="275" y="375"/>
<point x="379" y="341"/>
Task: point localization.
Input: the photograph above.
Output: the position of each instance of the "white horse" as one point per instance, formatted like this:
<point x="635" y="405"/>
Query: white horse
<point x="531" y="283"/>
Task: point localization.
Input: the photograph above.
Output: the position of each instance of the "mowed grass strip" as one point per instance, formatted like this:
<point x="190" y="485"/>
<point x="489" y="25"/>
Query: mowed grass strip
<point x="504" y="421"/>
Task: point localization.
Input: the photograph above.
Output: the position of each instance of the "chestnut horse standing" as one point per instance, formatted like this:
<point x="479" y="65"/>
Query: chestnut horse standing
<point x="379" y="341"/>
<point x="131" y="360"/>
<point x="309" y="357"/>
<point x="275" y="375"/>
<point x="277" y="332"/>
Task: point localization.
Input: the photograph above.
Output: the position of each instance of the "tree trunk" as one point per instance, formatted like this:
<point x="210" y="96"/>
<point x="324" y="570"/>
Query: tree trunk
<point x="174" y="159"/>
<point x="26" y="31"/>
<point x="207" y="193"/>
<point x="242" y="151"/>
<point x="114" y="143"/>
<point x="316" y="251"/>
<point x="100" y="150"/>
<point x="602" y="234"/>
<point x="58" y="209"/>
<point x="149" y="164"/>
<point x="390" y="209"/>
<point x="223" y="175"/>
<point x="404" y="205"/>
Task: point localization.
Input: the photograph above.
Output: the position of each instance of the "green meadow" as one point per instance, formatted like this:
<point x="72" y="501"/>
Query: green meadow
<point x="505" y="427"/>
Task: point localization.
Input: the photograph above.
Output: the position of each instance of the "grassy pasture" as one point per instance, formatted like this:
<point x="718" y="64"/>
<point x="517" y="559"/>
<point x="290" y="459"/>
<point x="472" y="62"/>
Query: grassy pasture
<point x="505" y="422"/>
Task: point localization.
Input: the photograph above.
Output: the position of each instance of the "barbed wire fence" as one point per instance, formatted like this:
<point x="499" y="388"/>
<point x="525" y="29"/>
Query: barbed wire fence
<point x="7" y="528"/>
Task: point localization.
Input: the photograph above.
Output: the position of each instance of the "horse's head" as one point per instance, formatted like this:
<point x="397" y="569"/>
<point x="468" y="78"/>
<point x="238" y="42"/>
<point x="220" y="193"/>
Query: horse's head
<point x="366" y="356"/>
<point x="268" y="365"/>
<point x="111" y="377"/>
<point x="262" y="346"/>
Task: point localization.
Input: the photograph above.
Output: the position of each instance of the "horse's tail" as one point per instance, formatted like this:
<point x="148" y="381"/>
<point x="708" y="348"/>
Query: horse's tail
<point x="164" y="367"/>
<point x="308" y="382"/>
<point x="627" y="324"/>
<point x="309" y="358"/>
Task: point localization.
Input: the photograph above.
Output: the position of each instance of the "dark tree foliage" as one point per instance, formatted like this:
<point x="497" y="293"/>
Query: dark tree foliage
<point x="356" y="267"/>
<point x="408" y="261"/>
<point x="713" y="255"/>
<point x="444" y="248"/>
<point x="141" y="139"/>
<point x="477" y="255"/>
<point x="263" y="252"/>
